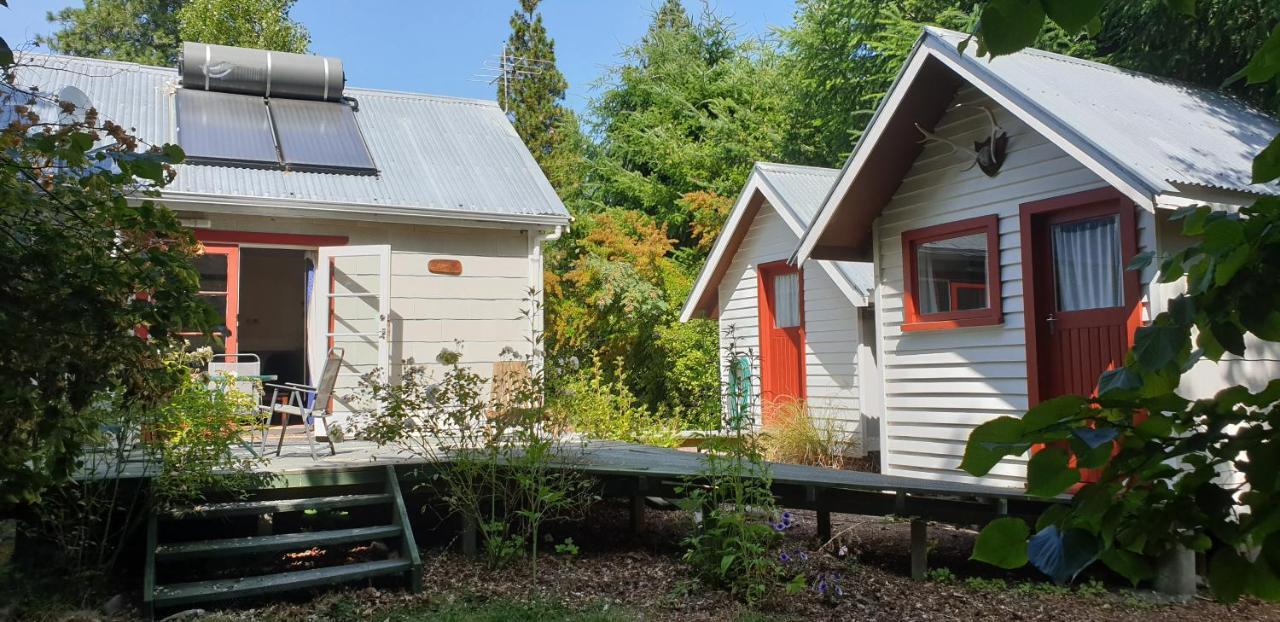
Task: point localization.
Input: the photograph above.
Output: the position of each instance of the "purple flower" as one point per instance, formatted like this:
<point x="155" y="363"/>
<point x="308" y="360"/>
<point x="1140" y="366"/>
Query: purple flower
<point x="779" y="527"/>
<point x="784" y="558"/>
<point x="804" y="557"/>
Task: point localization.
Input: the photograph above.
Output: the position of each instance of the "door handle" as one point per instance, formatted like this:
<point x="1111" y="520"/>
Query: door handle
<point x="1052" y="322"/>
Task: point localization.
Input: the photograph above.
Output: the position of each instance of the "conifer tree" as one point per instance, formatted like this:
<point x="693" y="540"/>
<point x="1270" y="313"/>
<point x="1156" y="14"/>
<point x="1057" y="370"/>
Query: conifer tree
<point x="534" y="92"/>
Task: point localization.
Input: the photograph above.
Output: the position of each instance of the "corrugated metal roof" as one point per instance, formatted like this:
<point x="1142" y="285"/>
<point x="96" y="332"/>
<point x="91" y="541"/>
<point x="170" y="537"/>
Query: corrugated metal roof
<point x="803" y="189"/>
<point x="433" y="153"/>
<point x="1163" y="130"/>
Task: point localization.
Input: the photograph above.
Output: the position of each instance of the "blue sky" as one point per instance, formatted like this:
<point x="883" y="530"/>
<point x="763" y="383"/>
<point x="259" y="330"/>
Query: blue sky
<point x="436" y="46"/>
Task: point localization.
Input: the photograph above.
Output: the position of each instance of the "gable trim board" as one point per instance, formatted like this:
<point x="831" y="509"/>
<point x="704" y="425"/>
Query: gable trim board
<point x="757" y="192"/>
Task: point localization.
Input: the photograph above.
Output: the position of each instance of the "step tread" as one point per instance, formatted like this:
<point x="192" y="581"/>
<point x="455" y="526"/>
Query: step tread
<point x="220" y="589"/>
<point x="226" y="547"/>
<point x="235" y="508"/>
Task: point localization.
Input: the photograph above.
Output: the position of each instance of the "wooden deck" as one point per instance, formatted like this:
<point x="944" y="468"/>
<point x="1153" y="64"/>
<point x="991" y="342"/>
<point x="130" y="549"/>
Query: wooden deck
<point x="630" y="470"/>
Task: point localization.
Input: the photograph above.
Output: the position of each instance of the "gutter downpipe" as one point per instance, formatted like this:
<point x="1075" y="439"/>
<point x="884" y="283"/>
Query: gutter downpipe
<point x="537" y="237"/>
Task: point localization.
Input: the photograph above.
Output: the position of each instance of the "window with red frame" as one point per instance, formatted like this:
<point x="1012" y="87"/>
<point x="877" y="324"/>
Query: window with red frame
<point x="952" y="275"/>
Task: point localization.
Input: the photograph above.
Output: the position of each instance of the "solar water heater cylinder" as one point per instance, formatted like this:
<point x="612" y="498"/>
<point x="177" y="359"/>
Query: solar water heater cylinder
<point x="229" y="69"/>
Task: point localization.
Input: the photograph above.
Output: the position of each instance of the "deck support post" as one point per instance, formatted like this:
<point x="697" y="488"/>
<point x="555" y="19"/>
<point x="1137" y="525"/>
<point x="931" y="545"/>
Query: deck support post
<point x="919" y="548"/>
<point x="637" y="505"/>
<point x="824" y="516"/>
<point x="470" y="546"/>
<point x="1176" y="573"/>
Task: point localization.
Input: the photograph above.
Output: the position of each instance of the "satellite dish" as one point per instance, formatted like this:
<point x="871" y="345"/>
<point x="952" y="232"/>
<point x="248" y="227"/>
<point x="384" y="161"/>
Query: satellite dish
<point x="76" y="97"/>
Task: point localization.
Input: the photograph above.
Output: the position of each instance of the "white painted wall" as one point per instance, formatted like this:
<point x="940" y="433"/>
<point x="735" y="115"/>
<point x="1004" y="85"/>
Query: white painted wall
<point x="478" y="312"/>
<point x="939" y="385"/>
<point x="831" y="322"/>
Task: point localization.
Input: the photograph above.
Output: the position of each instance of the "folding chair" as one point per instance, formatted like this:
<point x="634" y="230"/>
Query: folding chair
<point x="308" y="402"/>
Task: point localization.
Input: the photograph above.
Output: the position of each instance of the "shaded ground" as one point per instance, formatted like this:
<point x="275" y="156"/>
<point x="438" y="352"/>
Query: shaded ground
<point x="617" y="577"/>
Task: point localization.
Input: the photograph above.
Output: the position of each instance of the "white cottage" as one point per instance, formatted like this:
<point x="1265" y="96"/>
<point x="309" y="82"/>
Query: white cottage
<point x="999" y="202"/>
<point x="809" y="327"/>
<point x="390" y="224"/>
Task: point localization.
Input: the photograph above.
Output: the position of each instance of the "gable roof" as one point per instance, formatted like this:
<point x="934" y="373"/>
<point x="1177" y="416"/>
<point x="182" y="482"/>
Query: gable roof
<point x="1145" y="135"/>
<point x="795" y="192"/>
<point x="437" y="157"/>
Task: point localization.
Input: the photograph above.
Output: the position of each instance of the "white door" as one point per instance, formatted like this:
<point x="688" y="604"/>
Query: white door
<point x="351" y="309"/>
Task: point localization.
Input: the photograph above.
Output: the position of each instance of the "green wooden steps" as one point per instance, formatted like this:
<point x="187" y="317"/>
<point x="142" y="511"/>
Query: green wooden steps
<point x="248" y="565"/>
<point x="181" y="594"/>
<point x="251" y="508"/>
<point x="228" y="547"/>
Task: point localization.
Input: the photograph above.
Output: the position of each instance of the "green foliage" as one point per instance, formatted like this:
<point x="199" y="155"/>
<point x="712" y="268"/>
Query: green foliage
<point x="606" y="409"/>
<point x="534" y="98"/>
<point x="261" y="24"/>
<point x="136" y="31"/>
<point x="1001" y="543"/>
<point x="81" y="240"/>
<point x="504" y="464"/>
<point x="151" y="32"/>
<point x="737" y="523"/>
<point x="567" y="548"/>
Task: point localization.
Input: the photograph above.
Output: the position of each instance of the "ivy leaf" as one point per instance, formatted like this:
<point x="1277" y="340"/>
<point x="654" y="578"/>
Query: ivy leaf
<point x="1156" y="426"/>
<point x="1261" y="321"/>
<point x="1062" y="554"/>
<point x="1072" y="15"/>
<point x="1129" y="565"/>
<point x="1265" y="63"/>
<point x="1228" y="574"/>
<point x="1049" y="473"/>
<point x="1010" y="25"/>
<point x="1118" y="381"/>
<point x="1229" y="335"/>
<point x="1231" y="264"/>
<point x="1052" y="411"/>
<point x="1141" y="261"/>
<point x="1266" y="167"/>
<point x="1096" y="437"/>
<point x="1155" y="346"/>
<point x="1002" y="543"/>
<point x="991" y="442"/>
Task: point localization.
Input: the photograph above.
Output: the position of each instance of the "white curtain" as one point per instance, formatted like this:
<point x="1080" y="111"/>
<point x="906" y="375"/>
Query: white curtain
<point x="927" y="286"/>
<point x="1087" y="264"/>
<point x="786" y="300"/>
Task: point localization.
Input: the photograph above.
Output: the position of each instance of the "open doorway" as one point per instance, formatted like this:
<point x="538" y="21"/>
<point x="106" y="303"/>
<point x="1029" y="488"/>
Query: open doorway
<point x="272" y="317"/>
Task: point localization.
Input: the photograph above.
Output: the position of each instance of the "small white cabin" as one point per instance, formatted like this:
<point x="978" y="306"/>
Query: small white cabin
<point x="806" y="328"/>
<point x="390" y="224"/>
<point x="1000" y="274"/>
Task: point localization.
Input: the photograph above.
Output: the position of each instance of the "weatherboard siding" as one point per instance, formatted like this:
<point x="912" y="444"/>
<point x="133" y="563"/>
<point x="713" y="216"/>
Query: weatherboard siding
<point x="478" y="312"/>
<point x="831" y="322"/>
<point x="940" y="385"/>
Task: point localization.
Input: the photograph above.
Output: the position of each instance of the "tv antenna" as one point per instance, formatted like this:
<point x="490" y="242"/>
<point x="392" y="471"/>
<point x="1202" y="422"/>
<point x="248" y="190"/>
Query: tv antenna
<point x="506" y="68"/>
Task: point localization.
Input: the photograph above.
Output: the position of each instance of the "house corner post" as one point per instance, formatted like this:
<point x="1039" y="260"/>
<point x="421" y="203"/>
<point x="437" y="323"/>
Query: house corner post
<point x="1176" y="573"/>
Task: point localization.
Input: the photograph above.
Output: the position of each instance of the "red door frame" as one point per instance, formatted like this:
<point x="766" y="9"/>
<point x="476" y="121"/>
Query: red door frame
<point x="1035" y="251"/>
<point x="765" y="273"/>
<point x="232" y="309"/>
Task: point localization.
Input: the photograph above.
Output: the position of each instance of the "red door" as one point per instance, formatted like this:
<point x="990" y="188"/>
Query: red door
<point x="781" y="300"/>
<point x="1083" y="305"/>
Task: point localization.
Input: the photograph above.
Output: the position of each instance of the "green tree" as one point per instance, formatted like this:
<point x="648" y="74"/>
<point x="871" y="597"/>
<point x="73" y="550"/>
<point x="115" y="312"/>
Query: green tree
<point x="1163" y="487"/>
<point x="88" y="260"/>
<point x="534" y="93"/>
<point x="151" y="32"/>
<point x="136" y="31"/>
<point x="262" y="24"/>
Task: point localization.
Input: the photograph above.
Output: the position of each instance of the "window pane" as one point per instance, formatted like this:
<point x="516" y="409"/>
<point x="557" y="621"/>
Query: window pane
<point x="320" y="136"/>
<point x="225" y="128"/>
<point x="1087" y="267"/>
<point x="786" y="300"/>
<point x="952" y="274"/>
<point x="213" y="272"/>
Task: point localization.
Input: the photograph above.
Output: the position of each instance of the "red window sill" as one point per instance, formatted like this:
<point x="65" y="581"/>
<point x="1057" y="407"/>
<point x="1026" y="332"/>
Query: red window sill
<point x="943" y="323"/>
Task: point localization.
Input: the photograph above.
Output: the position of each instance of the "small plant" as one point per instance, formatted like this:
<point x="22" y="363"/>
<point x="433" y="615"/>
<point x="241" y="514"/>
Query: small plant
<point x="940" y="575"/>
<point x="606" y="409"/>
<point x="981" y="584"/>
<point x="795" y="436"/>
<point x="1093" y="589"/>
<point x="567" y="548"/>
<point x="737" y="523"/>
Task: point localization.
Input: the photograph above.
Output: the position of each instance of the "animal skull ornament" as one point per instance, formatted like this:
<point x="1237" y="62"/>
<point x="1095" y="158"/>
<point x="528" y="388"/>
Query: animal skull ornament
<point x="988" y="153"/>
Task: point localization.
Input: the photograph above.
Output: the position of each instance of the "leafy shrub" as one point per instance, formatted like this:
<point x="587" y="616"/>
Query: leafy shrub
<point x="795" y="437"/>
<point x="501" y="457"/>
<point x="606" y="409"/>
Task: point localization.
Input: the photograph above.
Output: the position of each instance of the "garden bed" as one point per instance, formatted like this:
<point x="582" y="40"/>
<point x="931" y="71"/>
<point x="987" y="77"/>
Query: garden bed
<point x="615" y="576"/>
